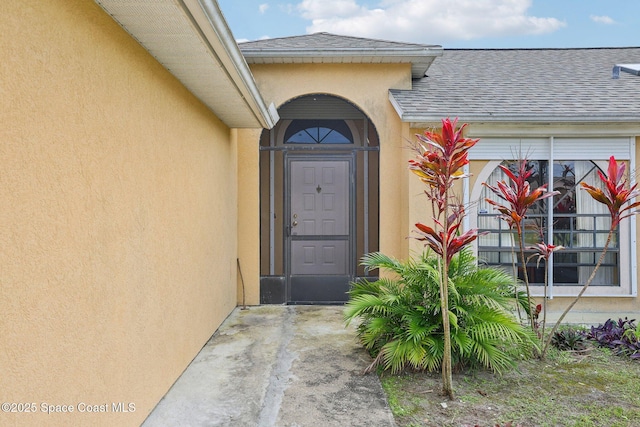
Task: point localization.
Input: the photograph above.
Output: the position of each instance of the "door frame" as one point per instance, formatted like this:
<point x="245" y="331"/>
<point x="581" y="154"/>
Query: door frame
<point x="333" y="282"/>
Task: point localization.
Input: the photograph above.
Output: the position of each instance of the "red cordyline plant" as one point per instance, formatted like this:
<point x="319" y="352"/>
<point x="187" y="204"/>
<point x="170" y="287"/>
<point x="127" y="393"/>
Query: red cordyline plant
<point x="616" y="193"/>
<point x="519" y="197"/>
<point x="543" y="251"/>
<point x="618" y="196"/>
<point x="441" y="157"/>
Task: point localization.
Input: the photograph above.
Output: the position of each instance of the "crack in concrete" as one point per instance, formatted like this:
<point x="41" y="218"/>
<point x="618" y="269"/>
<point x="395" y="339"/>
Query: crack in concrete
<point x="280" y="374"/>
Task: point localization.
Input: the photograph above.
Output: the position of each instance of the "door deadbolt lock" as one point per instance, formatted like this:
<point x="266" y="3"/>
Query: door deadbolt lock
<point x="295" y="223"/>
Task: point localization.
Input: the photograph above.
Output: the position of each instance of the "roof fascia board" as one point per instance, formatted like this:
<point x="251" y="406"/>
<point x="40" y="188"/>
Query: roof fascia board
<point x="557" y="129"/>
<point x="339" y="52"/>
<point x="522" y="129"/>
<point x="207" y="15"/>
<point x="419" y="57"/>
<point x="483" y="118"/>
<point x="396" y="106"/>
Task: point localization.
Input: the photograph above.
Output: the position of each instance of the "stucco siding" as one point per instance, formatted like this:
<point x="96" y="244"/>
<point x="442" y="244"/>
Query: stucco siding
<point x="118" y="220"/>
<point x="248" y="215"/>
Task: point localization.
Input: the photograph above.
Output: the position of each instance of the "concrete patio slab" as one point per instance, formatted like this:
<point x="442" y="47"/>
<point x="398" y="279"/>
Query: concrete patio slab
<point x="277" y="366"/>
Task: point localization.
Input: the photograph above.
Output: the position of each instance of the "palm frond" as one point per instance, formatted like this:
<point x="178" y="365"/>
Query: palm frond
<point x="378" y="260"/>
<point x="401" y="322"/>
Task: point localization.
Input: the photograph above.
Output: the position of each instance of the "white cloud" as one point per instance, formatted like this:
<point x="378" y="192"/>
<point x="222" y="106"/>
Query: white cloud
<point x="330" y="9"/>
<point x="602" y="19"/>
<point x="263" y="7"/>
<point x="426" y="21"/>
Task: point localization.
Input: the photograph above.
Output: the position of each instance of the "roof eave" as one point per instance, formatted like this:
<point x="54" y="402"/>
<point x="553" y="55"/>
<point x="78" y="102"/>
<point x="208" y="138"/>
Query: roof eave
<point x="421" y="120"/>
<point x="420" y="58"/>
<point x="203" y="20"/>
<point x="416" y="120"/>
<point x="428" y="51"/>
<point x="267" y="116"/>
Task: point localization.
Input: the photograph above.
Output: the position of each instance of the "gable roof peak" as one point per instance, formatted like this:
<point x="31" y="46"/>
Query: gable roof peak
<point x="325" y="40"/>
<point x="325" y="47"/>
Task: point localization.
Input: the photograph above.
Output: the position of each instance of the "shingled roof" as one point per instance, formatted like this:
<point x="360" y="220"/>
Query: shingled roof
<point x="332" y="48"/>
<point x="524" y="85"/>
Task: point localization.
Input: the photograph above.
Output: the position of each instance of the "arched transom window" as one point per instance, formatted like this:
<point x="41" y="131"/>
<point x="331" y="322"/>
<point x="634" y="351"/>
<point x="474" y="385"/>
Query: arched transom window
<point x="318" y="132"/>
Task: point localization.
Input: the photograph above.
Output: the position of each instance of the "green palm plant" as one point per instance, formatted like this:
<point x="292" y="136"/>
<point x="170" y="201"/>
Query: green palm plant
<point x="401" y="319"/>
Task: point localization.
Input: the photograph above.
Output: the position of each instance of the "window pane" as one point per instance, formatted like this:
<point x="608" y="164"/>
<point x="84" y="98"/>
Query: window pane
<point x="500" y="246"/>
<point x="318" y="132"/>
<point x="580" y="225"/>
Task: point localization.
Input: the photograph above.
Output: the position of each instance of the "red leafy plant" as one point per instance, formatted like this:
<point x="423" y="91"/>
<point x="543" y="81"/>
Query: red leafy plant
<point x="517" y="197"/>
<point x="543" y="251"/>
<point x="439" y="163"/>
<point x="617" y="194"/>
<point x="447" y="243"/>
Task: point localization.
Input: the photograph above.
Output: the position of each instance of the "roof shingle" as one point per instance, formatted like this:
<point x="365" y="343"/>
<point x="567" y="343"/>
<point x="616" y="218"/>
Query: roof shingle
<point x="572" y="85"/>
<point x="324" y="41"/>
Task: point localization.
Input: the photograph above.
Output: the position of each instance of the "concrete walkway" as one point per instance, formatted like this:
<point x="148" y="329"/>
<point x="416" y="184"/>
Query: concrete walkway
<point x="277" y="366"/>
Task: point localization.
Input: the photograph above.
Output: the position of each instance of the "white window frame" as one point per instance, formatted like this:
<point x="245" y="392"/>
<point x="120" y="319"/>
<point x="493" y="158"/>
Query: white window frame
<point x="550" y="148"/>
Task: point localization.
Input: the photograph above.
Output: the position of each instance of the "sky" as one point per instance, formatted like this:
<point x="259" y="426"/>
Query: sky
<point x="449" y="23"/>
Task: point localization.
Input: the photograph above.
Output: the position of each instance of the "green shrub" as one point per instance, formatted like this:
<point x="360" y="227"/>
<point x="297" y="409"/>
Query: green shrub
<point x="401" y="321"/>
<point x="569" y="339"/>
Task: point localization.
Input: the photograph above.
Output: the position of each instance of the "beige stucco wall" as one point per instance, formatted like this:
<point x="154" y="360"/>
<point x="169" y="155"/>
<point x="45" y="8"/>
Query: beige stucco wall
<point x="366" y="86"/>
<point x="248" y="216"/>
<point x="118" y="219"/>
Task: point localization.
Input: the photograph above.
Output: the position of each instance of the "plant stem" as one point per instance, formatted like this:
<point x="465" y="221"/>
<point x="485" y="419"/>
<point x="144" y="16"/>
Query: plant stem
<point x="544" y="302"/>
<point x="525" y="274"/>
<point x="447" y="381"/>
<point x="514" y="267"/>
<point x="582" y="291"/>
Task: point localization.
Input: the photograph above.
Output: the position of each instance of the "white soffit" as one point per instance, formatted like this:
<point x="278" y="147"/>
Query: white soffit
<point x="191" y="40"/>
<point x="419" y="60"/>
